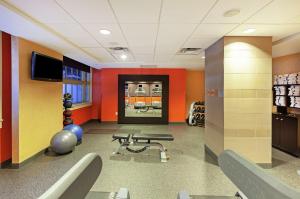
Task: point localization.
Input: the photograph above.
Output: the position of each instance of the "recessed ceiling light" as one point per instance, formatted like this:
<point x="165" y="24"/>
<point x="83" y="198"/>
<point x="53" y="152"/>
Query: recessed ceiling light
<point x="104" y="32"/>
<point x="203" y="57"/>
<point x="231" y="13"/>
<point x="249" y="30"/>
<point x="123" y="56"/>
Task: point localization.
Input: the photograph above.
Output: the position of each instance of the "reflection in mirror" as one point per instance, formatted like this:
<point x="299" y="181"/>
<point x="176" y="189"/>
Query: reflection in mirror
<point x="143" y="99"/>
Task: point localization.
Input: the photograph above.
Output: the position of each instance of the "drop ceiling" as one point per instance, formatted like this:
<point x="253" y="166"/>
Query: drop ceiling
<point x="153" y="30"/>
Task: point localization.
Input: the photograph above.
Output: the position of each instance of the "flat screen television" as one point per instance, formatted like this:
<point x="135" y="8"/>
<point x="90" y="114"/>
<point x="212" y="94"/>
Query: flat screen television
<point x="46" y="68"/>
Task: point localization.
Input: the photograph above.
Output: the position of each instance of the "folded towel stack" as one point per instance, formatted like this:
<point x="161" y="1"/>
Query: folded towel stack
<point x="280" y="90"/>
<point x="295" y="102"/>
<point x="280" y="101"/>
<point x="292" y="78"/>
<point x="281" y="79"/>
<point x="294" y="91"/>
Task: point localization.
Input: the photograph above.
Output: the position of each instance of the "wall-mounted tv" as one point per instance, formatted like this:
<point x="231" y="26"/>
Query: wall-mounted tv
<point x="46" y="68"/>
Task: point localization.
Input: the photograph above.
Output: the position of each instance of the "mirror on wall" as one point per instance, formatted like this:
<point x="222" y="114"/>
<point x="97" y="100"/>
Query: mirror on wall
<point x="143" y="99"/>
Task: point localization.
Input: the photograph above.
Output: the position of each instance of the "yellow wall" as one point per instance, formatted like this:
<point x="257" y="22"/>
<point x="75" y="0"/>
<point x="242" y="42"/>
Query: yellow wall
<point x="194" y="87"/>
<point x="40" y="104"/>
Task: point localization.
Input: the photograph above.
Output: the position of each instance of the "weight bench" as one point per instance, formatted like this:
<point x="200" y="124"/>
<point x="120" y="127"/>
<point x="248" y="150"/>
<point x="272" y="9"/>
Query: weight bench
<point x="77" y="182"/>
<point x="253" y="181"/>
<point x="142" y="140"/>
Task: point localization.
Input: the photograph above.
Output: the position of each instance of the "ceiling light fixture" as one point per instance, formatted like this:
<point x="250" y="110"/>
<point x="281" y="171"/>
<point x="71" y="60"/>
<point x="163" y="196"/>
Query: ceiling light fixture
<point x="203" y="57"/>
<point x="105" y="32"/>
<point x="249" y="30"/>
<point x="231" y="13"/>
<point x="123" y="56"/>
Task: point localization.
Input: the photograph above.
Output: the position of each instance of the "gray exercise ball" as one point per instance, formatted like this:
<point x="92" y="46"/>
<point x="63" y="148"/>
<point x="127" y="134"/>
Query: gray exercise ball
<point x="63" y="142"/>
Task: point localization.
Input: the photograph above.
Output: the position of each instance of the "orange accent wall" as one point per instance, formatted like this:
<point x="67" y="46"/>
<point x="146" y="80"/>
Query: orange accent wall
<point x="6" y="132"/>
<point x="109" y="90"/>
<point x="195" y="87"/>
<point x="85" y="114"/>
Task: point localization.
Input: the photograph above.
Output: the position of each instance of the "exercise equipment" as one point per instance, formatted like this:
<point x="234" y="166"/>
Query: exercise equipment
<point x="68" y="104"/>
<point x="140" y="91"/>
<point x="253" y="181"/>
<point x="77" y="182"/>
<point x="67" y="121"/>
<point x="63" y="142"/>
<point x="197" y="114"/>
<point x="76" y="130"/>
<point x="128" y="141"/>
<point x="67" y="113"/>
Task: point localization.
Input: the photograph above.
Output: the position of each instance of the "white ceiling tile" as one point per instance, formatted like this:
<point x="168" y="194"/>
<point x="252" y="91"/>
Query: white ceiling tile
<point x="137" y="11"/>
<point x="200" y="42"/>
<point x="115" y="39"/>
<point x="142" y="49"/>
<point x="101" y="54"/>
<point x="185" y="11"/>
<point x="247" y="8"/>
<point x="140" y="34"/>
<point x="144" y="58"/>
<point x="172" y="36"/>
<point x="75" y="33"/>
<point x="279" y="11"/>
<point x="278" y="31"/>
<point x="213" y="30"/>
<point x="34" y="8"/>
<point x="89" y="11"/>
<point x="163" y="57"/>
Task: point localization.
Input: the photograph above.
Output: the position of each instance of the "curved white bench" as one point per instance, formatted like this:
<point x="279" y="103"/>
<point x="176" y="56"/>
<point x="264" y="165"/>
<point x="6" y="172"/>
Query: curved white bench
<point x="77" y="182"/>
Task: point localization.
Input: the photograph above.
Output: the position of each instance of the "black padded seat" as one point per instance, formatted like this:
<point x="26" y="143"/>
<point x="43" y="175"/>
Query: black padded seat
<point x="121" y="136"/>
<point x="162" y="137"/>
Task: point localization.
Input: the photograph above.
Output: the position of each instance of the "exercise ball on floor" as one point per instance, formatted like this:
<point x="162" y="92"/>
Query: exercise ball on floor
<point x="63" y="142"/>
<point x="77" y="130"/>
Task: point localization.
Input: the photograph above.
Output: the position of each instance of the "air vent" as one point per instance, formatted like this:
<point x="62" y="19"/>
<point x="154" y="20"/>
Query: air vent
<point x="189" y="51"/>
<point x="119" y="49"/>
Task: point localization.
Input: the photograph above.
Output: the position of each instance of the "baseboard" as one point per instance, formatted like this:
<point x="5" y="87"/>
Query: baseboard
<point x="25" y="162"/>
<point x="5" y="164"/>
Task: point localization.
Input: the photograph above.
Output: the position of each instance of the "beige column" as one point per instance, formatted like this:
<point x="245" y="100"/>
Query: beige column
<point x="246" y="98"/>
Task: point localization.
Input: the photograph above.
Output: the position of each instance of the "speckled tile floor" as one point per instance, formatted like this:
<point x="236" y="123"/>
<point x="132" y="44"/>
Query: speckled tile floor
<point x="145" y="176"/>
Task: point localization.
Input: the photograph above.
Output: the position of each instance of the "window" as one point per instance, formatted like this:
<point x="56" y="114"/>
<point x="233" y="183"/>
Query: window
<point x="77" y="83"/>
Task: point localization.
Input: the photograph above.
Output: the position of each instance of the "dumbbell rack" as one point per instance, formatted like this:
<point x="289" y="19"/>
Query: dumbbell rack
<point x="199" y="115"/>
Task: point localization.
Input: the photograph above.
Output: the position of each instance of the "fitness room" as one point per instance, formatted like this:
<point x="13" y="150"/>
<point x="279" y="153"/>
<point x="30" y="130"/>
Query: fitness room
<point x="150" y="99"/>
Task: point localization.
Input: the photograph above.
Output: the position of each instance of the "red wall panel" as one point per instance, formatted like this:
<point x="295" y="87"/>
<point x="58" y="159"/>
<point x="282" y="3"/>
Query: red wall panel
<point x="109" y="91"/>
<point x="6" y="131"/>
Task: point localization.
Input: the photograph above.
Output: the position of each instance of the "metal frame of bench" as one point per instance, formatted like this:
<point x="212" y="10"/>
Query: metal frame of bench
<point x="144" y="142"/>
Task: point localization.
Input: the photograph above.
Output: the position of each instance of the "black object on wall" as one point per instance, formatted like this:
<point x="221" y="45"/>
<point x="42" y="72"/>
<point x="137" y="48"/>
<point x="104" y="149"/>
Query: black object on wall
<point x="75" y="64"/>
<point x="45" y="68"/>
<point x="164" y="119"/>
